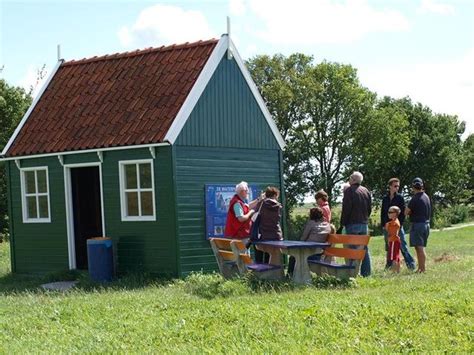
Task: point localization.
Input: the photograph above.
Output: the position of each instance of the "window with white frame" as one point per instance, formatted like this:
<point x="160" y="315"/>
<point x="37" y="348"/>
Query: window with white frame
<point x="35" y="195"/>
<point x="137" y="193"/>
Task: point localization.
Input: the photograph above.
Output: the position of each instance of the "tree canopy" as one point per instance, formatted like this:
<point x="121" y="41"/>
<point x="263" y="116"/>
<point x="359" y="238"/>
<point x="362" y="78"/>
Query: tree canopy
<point x="333" y="125"/>
<point x="14" y="102"/>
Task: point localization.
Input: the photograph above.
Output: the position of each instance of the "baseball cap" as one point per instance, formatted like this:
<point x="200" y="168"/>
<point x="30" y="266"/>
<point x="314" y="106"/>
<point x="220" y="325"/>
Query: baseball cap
<point x="417" y="182"/>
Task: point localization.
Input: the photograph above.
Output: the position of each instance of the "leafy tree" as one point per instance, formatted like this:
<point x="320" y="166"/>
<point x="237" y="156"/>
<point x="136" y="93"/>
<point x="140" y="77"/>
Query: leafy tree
<point x="316" y="107"/>
<point x="381" y="146"/>
<point x="468" y="152"/>
<point x="14" y="102"/>
<point x="435" y="150"/>
<point x="281" y="82"/>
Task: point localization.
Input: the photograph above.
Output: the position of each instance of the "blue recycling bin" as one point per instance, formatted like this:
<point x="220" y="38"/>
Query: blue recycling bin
<point x="100" y="259"/>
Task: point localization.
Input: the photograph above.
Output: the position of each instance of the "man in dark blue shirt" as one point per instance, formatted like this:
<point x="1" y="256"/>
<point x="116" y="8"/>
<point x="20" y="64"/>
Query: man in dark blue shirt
<point x="393" y="198"/>
<point x="419" y="210"/>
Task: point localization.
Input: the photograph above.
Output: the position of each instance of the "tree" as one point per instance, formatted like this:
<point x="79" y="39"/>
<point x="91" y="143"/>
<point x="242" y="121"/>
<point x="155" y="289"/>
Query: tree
<point x="316" y="107"/>
<point x="468" y="153"/>
<point x="435" y="150"/>
<point x="14" y="102"/>
<point x="281" y="82"/>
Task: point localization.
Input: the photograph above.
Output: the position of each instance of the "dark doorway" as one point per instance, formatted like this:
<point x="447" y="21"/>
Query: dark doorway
<point x="86" y="206"/>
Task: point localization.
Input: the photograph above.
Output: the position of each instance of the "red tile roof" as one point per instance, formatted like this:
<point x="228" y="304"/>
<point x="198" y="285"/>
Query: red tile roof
<point x="115" y="100"/>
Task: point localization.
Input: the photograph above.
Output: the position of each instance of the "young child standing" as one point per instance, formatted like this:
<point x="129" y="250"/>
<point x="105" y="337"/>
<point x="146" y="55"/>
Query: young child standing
<point x="322" y="198"/>
<point x="393" y="229"/>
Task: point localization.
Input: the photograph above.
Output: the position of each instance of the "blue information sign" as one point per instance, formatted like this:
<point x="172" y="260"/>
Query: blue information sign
<point x="218" y="197"/>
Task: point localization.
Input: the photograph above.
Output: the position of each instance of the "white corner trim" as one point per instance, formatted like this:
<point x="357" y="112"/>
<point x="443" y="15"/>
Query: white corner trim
<point x="197" y="90"/>
<point x="224" y="45"/>
<point x="100" y="155"/>
<point x="31" y="108"/>
<point x="17" y="163"/>
<point x="61" y="160"/>
<point x="258" y="97"/>
<point x="153" y="152"/>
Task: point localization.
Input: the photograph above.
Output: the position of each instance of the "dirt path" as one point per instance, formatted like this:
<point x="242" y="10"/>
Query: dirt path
<point x="457" y="226"/>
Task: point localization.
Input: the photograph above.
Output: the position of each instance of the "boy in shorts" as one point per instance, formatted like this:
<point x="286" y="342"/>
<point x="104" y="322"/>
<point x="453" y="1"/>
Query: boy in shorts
<point x="393" y="229"/>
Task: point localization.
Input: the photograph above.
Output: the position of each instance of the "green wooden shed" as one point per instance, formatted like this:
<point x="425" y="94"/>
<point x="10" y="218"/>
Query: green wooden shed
<point x="123" y="145"/>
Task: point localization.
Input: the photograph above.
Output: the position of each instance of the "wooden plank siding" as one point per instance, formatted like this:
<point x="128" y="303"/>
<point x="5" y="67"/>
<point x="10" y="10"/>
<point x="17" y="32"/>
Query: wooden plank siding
<point x="197" y="166"/>
<point x="225" y="140"/>
<point x="39" y="247"/>
<point x="227" y="114"/>
<point x="148" y="246"/>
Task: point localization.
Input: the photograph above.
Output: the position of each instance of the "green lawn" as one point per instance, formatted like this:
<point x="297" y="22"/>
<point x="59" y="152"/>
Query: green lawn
<point x="383" y="313"/>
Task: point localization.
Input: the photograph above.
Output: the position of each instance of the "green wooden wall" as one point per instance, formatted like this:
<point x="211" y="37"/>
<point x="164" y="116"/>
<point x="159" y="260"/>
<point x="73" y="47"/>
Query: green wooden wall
<point x="197" y="166"/>
<point x="148" y="246"/>
<point x="38" y="247"/>
<point x="225" y="140"/>
<point x="227" y="114"/>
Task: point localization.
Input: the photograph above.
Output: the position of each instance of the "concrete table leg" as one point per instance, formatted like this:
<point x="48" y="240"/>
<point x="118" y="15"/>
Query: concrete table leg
<point x="301" y="274"/>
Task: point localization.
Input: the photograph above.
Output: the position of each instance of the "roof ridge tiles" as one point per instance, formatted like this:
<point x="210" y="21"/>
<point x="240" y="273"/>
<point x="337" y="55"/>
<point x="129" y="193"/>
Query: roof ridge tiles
<point x="138" y="52"/>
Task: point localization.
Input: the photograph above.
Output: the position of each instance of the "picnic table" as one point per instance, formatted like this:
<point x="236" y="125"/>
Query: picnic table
<point x="300" y="250"/>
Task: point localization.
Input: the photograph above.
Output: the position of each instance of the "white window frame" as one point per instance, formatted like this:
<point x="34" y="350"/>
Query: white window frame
<point x="123" y="191"/>
<point x="37" y="194"/>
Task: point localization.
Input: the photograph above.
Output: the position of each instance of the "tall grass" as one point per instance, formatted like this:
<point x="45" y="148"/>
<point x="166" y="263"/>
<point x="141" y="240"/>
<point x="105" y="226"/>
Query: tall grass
<point x="207" y="314"/>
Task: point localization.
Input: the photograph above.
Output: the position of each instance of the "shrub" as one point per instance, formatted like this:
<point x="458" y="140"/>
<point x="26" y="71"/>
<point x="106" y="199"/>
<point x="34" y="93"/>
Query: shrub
<point x="444" y="217"/>
<point x="212" y="285"/>
<point x="296" y="226"/>
<point x="327" y="281"/>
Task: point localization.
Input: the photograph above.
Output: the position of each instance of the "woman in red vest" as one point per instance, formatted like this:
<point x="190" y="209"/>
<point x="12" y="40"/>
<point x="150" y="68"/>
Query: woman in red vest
<point x="238" y="216"/>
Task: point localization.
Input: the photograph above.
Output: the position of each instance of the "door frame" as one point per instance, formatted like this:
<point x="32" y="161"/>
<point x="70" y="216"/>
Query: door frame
<point x="69" y="207"/>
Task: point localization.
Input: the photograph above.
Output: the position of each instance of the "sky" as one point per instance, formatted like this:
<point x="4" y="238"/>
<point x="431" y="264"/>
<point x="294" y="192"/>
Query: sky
<point x="423" y="49"/>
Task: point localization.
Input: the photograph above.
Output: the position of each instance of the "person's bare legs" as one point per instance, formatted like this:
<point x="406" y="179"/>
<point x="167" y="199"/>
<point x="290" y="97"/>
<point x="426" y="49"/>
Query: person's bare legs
<point x="421" y="256"/>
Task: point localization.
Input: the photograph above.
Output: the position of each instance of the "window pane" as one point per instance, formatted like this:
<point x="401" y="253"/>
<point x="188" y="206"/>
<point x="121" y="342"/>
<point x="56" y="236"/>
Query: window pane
<point x="131" y="176"/>
<point x="132" y="204"/>
<point x="30" y="182"/>
<point x="31" y="207"/>
<point x="147" y="203"/>
<point x="43" y="206"/>
<point x="145" y="176"/>
<point x="41" y="176"/>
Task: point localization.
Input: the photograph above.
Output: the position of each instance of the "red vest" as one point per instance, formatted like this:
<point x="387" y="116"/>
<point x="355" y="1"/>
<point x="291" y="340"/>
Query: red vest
<point x="234" y="228"/>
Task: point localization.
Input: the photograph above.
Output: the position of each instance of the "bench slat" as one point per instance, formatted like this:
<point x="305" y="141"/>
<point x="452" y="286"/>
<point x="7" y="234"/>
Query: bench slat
<point x="353" y="239"/>
<point x="355" y="254"/>
<point x="227" y="255"/>
<point x="263" y="267"/>
<point x="335" y="266"/>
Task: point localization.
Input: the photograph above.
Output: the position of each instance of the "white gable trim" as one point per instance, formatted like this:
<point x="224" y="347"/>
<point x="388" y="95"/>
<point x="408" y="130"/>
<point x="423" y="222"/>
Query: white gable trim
<point x="257" y="96"/>
<point x="35" y="101"/>
<point x="201" y="83"/>
<point x="197" y="90"/>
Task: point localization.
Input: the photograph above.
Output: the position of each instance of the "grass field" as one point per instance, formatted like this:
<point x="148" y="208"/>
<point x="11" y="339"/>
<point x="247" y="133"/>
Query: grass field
<point x="204" y="314"/>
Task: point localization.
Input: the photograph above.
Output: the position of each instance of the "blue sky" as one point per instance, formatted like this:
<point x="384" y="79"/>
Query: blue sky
<point x="420" y="48"/>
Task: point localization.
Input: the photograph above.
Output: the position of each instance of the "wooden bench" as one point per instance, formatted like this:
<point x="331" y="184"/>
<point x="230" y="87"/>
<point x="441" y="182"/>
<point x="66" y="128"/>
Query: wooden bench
<point x="233" y="259"/>
<point x="352" y="251"/>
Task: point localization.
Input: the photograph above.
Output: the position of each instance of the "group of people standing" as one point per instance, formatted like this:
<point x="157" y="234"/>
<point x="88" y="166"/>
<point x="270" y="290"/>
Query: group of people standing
<point x="356" y="211"/>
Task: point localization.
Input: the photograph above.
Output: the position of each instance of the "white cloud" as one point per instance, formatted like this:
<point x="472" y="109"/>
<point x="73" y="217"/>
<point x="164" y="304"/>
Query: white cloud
<point x="164" y="25"/>
<point x="431" y="6"/>
<point x="445" y="87"/>
<point x="322" y="21"/>
<point x="237" y="7"/>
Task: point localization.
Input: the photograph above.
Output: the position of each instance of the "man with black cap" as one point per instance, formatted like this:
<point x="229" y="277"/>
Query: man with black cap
<point x="419" y="210"/>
